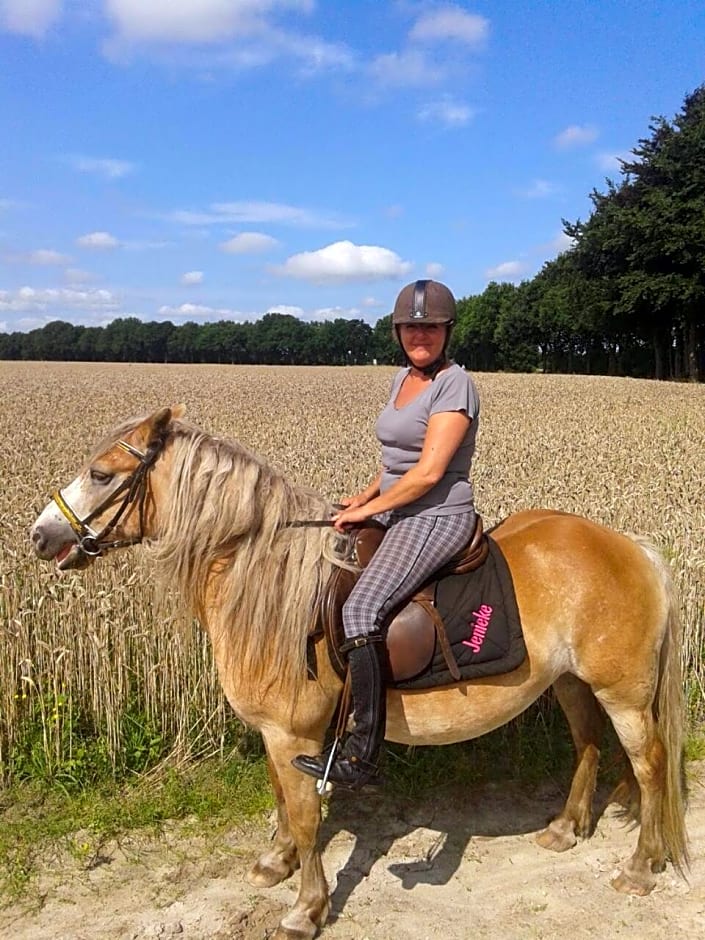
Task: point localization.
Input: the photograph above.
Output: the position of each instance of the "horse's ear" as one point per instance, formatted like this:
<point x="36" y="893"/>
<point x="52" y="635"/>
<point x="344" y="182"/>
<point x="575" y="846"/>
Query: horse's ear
<point x="159" y="421"/>
<point x="156" y="426"/>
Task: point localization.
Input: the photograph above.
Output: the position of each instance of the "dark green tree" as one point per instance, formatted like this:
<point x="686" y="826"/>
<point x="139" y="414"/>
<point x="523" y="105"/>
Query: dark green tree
<point x="645" y="241"/>
<point x="279" y="339"/>
<point x="384" y="347"/>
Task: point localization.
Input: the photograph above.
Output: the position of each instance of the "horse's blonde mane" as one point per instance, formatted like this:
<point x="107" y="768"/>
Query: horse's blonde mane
<point x="223" y="540"/>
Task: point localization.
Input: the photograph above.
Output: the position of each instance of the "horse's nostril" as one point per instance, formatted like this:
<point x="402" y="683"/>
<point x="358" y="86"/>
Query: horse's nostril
<point x="37" y="538"/>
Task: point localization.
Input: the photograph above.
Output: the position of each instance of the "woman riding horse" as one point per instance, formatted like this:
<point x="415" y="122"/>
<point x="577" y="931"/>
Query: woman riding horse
<point x="427" y="431"/>
<point x="598" y="609"/>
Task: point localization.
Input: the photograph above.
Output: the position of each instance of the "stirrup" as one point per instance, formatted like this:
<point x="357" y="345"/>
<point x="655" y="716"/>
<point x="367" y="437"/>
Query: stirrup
<point x="348" y="772"/>
<point x="319" y="767"/>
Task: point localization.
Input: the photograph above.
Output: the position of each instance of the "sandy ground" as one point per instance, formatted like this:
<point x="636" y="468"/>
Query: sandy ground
<point x="462" y="866"/>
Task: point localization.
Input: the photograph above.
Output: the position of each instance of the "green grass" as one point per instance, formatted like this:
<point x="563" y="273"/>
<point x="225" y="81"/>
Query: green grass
<point x="695" y="745"/>
<point x="218" y="794"/>
<point x="34" y="817"/>
<point x="39" y="813"/>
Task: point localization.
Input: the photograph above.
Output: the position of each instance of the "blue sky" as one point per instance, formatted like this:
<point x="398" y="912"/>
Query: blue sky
<point x="218" y="159"/>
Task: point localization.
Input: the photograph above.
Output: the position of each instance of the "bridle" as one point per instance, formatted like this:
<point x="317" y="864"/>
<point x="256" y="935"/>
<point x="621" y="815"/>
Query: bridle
<point x="94" y="543"/>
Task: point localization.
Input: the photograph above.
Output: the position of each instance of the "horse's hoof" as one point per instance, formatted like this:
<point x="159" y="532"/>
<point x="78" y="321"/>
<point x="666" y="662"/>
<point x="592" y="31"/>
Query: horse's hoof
<point x="628" y="884"/>
<point x="269" y="871"/>
<point x="299" y="926"/>
<point x="558" y="837"/>
<point x="284" y="933"/>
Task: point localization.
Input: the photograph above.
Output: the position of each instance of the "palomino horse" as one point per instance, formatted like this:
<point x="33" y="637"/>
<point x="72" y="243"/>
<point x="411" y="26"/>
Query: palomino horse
<point x="597" y="608"/>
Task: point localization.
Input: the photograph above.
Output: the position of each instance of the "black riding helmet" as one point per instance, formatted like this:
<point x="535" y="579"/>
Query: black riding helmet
<point x="425" y="302"/>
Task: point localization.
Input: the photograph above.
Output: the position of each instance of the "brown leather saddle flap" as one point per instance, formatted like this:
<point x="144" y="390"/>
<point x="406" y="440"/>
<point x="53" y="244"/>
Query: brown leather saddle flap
<point x="415" y="627"/>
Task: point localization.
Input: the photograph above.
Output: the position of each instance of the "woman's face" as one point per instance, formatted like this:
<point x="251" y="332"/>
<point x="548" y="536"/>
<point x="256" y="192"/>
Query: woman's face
<point x="423" y="342"/>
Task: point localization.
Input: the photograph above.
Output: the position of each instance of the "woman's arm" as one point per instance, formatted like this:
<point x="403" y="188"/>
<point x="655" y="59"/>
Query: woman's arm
<point x="444" y="435"/>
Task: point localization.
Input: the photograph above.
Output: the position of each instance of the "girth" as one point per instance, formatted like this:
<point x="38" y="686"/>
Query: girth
<point x="414" y="627"/>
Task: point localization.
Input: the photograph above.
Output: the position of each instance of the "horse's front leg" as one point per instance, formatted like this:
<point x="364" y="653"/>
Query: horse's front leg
<point x="282" y="859"/>
<point x="300" y="813"/>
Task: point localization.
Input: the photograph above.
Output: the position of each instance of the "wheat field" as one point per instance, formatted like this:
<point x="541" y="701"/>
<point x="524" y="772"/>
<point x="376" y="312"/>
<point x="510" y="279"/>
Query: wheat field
<point x="79" y="653"/>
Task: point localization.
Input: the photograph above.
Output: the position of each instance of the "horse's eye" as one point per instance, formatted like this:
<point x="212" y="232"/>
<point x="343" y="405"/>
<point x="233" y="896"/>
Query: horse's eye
<point x="97" y="476"/>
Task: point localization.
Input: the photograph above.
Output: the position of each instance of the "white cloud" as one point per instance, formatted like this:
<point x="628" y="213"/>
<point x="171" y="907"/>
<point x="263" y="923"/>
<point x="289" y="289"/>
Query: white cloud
<point x="201" y="312"/>
<point x="215" y="35"/>
<point x="86" y="317"/>
<point x="446" y="111"/>
<point x="40" y="257"/>
<point x="507" y="271"/>
<point x="344" y="261"/>
<point x="609" y="162"/>
<point x="434" y="269"/>
<point x="334" y="313"/>
<point x="418" y="65"/>
<point x="248" y="243"/>
<point x="107" y="167"/>
<point x="47" y="256"/>
<point x="314" y="54"/>
<point x="78" y="276"/>
<point x="29" y="17"/>
<point x="31" y="299"/>
<point x="451" y="22"/>
<point x="191" y="278"/>
<point x="540" y="189"/>
<point x="227" y="213"/>
<point x="562" y="243"/>
<point x="194" y="21"/>
<point x="287" y="309"/>
<point x="410" y="68"/>
<point x="98" y="240"/>
<point x="576" y="136"/>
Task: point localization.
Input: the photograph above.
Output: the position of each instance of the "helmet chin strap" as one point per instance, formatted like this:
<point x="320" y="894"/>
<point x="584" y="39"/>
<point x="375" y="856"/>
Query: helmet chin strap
<point x="433" y="368"/>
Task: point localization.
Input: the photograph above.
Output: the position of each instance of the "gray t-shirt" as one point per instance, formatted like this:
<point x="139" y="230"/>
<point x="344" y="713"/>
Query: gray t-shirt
<point x="402" y="431"/>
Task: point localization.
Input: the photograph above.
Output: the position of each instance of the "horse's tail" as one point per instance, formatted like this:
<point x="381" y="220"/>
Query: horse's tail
<point x="669" y="712"/>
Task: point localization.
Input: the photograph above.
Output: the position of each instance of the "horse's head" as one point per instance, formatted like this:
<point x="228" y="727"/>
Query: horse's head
<point x="108" y="504"/>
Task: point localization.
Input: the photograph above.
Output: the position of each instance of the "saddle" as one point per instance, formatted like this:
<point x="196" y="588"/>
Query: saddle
<point x="414" y="627"/>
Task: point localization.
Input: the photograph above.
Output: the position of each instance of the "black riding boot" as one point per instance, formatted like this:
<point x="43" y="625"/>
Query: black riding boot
<point x="357" y="763"/>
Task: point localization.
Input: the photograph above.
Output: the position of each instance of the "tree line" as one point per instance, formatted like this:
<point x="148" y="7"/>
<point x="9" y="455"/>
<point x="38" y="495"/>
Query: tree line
<point x="628" y="298"/>
<point x="275" y="339"/>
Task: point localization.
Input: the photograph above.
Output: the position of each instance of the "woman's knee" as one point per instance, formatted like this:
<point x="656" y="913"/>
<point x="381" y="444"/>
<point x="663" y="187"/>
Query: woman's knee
<point x="360" y="615"/>
<point x="359" y="608"/>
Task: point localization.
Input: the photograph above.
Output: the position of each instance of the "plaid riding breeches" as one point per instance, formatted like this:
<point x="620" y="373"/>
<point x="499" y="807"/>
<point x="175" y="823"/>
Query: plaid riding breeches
<point x="411" y="550"/>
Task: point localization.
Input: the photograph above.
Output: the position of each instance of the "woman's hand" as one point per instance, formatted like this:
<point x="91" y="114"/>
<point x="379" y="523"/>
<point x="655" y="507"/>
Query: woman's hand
<point x="353" y="511"/>
<point x="350" y="516"/>
<point x="352" y="502"/>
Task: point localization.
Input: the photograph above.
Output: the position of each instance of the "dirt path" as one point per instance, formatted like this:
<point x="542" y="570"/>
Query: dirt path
<point x="463" y="866"/>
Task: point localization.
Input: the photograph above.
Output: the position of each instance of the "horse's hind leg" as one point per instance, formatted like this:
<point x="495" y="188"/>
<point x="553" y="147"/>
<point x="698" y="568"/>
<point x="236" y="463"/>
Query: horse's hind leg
<point x="638" y="733"/>
<point x="282" y="859"/>
<point x="627" y="793"/>
<point x="587" y="723"/>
